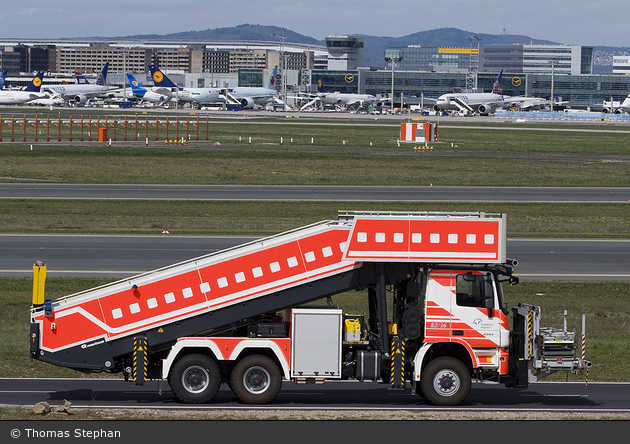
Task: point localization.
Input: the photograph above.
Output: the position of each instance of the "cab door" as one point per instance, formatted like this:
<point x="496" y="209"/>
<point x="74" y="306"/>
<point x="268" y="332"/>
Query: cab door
<point x="475" y="318"/>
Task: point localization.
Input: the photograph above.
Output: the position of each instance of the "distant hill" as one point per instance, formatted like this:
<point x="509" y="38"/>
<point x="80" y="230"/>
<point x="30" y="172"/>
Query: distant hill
<point x="374" y="45"/>
<point x="245" y="32"/>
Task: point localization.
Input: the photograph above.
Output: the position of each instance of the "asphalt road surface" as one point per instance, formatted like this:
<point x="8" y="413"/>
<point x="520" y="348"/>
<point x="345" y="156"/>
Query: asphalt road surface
<point x="314" y="193"/>
<point x="120" y="256"/>
<point x="108" y="393"/>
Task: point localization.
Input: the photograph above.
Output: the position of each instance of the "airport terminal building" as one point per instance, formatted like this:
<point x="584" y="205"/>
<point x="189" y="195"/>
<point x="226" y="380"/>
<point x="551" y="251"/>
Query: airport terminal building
<point x="426" y="58"/>
<point x="539" y="59"/>
<point x="418" y="71"/>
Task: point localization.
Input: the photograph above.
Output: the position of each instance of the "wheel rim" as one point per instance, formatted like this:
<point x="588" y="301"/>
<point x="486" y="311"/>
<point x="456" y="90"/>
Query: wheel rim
<point x="195" y="379"/>
<point x="446" y="382"/>
<point x="256" y="380"/>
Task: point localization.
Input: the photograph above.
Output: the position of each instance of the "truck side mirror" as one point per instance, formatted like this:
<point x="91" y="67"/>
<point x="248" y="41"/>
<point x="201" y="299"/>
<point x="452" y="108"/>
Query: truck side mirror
<point x="488" y="296"/>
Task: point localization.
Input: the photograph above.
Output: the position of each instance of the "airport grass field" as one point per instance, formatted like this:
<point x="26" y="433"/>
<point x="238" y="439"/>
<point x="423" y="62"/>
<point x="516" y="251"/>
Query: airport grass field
<point x="357" y="152"/>
<point x="313" y="152"/>
<point x="344" y="152"/>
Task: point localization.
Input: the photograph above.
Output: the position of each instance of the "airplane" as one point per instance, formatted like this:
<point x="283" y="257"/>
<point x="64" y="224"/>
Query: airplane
<point x="346" y="101"/>
<point x="3" y="77"/>
<point x="31" y="92"/>
<point x="486" y="103"/>
<point x="625" y="105"/>
<point x="164" y="85"/>
<point x="82" y="92"/>
<point x="153" y="95"/>
<point x="251" y="96"/>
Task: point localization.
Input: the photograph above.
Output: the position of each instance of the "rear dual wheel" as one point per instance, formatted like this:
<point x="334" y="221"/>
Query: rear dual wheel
<point x="256" y="379"/>
<point x="195" y="379"/>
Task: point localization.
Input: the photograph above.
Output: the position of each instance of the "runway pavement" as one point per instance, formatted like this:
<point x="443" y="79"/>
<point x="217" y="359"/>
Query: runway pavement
<point x="121" y="256"/>
<point x="315" y="193"/>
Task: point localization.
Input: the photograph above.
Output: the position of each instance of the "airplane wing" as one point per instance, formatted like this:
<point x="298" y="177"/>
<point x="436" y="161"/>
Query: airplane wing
<point x="35" y="96"/>
<point x="526" y="103"/>
<point x="104" y="93"/>
<point x="164" y="91"/>
<point x="252" y="97"/>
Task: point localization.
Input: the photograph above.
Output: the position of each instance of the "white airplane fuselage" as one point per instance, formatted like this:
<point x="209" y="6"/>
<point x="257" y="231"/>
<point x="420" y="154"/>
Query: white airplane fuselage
<point x="71" y="91"/>
<point x="478" y="102"/>
<point x="347" y="99"/>
<point x="199" y="95"/>
<point x="250" y="96"/>
<point x="156" y="97"/>
<point x="18" y="97"/>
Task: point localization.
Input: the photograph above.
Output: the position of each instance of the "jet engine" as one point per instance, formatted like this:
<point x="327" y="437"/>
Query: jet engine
<point x="483" y="109"/>
<point x="246" y="102"/>
<point x="436" y="107"/>
<point x="80" y="98"/>
<point x="607" y="110"/>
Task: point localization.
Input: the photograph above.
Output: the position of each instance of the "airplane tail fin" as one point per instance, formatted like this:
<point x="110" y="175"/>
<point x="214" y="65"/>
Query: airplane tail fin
<point x="319" y="83"/>
<point x="136" y="87"/>
<point x="496" y="87"/>
<point x="269" y="78"/>
<point x="3" y="77"/>
<point x="36" y="83"/>
<point x="80" y="78"/>
<point x="102" y="76"/>
<point x="159" y="78"/>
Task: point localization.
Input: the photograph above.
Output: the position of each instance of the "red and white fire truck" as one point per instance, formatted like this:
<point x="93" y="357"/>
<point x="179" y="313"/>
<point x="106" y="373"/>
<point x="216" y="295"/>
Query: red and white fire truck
<point x="249" y="316"/>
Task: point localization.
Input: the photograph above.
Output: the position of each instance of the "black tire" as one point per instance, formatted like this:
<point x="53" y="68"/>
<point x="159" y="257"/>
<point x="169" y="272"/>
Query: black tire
<point x="445" y="381"/>
<point x="195" y="379"/>
<point x="256" y="379"/>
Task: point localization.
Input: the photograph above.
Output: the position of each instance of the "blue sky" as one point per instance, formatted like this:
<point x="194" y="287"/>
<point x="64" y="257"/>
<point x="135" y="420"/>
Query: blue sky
<point x="574" y="22"/>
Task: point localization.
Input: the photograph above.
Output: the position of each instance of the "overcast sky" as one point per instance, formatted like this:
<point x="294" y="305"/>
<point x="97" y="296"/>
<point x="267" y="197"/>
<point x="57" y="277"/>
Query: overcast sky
<point x="574" y="22"/>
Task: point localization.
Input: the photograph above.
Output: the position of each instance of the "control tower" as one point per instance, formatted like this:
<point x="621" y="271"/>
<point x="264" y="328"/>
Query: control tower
<point x="345" y="52"/>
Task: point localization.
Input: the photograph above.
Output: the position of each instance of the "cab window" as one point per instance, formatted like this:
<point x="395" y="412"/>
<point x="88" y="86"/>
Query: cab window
<point x="470" y="290"/>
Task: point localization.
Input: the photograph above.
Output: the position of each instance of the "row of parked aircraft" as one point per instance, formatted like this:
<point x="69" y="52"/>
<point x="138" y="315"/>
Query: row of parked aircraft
<point x="165" y="90"/>
<point x="486" y="103"/>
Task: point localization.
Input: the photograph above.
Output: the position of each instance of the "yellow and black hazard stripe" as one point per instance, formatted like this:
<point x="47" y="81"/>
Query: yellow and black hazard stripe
<point x="140" y="360"/>
<point x="397" y="366"/>
<point x="530" y="336"/>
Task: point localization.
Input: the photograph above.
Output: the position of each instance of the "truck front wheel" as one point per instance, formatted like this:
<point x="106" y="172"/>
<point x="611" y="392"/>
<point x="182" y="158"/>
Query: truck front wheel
<point x="195" y="379"/>
<point x="445" y="381"/>
<point x="256" y="379"/>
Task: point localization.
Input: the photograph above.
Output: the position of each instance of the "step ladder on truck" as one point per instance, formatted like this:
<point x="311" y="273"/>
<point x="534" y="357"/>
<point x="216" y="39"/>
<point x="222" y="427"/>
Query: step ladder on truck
<point x="247" y="316"/>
